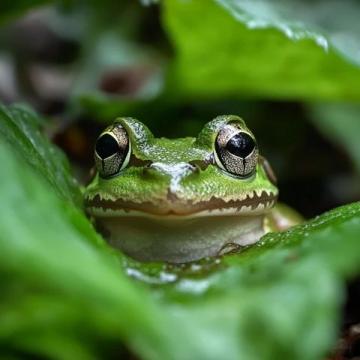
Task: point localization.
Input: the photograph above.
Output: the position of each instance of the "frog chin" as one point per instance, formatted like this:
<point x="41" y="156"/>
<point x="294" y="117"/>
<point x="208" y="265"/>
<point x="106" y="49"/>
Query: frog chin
<point x="178" y="231"/>
<point x="170" y="240"/>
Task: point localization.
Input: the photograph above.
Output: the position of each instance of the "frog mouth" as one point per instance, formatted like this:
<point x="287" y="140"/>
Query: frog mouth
<point x="254" y="203"/>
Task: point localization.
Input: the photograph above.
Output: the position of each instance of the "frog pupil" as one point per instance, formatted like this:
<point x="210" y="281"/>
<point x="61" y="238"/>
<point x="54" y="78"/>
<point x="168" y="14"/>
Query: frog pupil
<point x="106" y="146"/>
<point x="241" y="145"/>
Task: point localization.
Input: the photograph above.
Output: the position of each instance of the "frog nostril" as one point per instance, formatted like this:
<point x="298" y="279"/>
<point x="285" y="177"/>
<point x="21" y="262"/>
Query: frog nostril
<point x="193" y="167"/>
<point x="147" y="170"/>
<point x="198" y="165"/>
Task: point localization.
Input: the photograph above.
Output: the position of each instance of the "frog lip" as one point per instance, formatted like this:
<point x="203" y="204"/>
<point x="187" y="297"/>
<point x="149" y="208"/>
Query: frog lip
<point x="253" y="204"/>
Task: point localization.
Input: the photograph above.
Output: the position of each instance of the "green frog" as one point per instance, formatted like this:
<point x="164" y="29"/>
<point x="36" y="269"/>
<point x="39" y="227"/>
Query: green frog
<point x="181" y="200"/>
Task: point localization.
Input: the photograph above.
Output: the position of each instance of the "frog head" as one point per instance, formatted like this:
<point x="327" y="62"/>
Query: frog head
<point x="180" y="200"/>
<point x="220" y="172"/>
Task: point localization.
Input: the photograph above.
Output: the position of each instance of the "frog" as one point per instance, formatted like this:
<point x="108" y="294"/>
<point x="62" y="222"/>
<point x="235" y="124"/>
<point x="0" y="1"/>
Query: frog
<point x="182" y="200"/>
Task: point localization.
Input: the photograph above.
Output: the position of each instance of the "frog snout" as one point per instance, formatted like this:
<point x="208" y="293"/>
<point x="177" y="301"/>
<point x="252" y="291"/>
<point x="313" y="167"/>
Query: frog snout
<point x="175" y="173"/>
<point x="177" y="170"/>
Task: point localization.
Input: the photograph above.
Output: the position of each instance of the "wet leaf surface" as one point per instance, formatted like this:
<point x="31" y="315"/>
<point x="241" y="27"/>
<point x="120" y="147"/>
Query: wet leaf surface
<point x="65" y="292"/>
<point x="277" y="49"/>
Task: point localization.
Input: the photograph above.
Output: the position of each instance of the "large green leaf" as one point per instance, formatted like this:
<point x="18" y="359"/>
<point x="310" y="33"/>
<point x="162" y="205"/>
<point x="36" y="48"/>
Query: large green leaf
<point x="329" y="24"/>
<point x="65" y="294"/>
<point x="59" y="283"/>
<point x="21" y="128"/>
<point x="232" y="48"/>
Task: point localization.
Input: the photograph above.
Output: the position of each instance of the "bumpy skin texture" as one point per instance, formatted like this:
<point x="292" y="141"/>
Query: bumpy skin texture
<point x="183" y="177"/>
<point x="175" y="201"/>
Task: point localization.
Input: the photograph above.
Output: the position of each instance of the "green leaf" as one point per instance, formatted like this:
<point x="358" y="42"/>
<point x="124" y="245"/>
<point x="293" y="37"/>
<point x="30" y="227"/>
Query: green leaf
<point x="65" y="294"/>
<point x="340" y="122"/>
<point x="21" y="128"/>
<point x="223" y="51"/>
<point x="55" y="272"/>
<point x="47" y="262"/>
<point x="332" y="24"/>
<point x="280" y="298"/>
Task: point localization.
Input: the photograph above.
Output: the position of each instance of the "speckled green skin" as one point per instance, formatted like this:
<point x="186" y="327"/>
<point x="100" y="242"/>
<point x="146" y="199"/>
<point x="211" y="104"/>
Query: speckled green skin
<point x="132" y="184"/>
<point x="174" y="203"/>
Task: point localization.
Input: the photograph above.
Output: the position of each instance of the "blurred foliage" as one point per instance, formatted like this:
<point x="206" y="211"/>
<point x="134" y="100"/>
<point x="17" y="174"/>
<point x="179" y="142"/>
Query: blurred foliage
<point x="340" y="122"/>
<point x="64" y="293"/>
<point x="9" y="8"/>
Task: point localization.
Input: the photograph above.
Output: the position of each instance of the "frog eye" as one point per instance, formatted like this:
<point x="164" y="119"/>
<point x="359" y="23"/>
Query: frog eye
<point x="112" y="151"/>
<point x="236" y="151"/>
